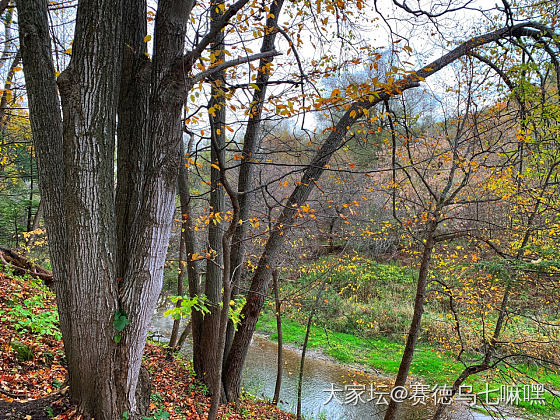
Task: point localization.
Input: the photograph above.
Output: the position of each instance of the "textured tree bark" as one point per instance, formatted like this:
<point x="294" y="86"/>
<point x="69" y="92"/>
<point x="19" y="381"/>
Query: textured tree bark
<point x="132" y="147"/>
<point x="150" y="233"/>
<point x="76" y="190"/>
<point x="75" y="162"/>
<point x="89" y="93"/>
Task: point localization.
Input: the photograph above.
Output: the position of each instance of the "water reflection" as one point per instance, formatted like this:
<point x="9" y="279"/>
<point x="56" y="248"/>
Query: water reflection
<point x="320" y="377"/>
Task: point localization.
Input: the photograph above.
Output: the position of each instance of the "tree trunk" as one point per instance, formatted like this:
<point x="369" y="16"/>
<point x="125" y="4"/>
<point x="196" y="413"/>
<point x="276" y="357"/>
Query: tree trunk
<point x="99" y="274"/>
<point x="149" y="235"/>
<point x="261" y="277"/>
<point x="415" y="324"/>
<point x="211" y="359"/>
<point x="78" y="222"/>
<point x="184" y="335"/>
<point x="279" y="361"/>
<point x="227" y="286"/>
<point x="250" y="146"/>
<point x="468" y="371"/>
<point x="192" y="269"/>
<point x="89" y="91"/>
<point x="180" y="278"/>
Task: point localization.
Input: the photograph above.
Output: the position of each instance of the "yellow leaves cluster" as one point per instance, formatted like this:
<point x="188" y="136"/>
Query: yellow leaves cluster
<point x="306" y="210"/>
<point x="209" y="254"/>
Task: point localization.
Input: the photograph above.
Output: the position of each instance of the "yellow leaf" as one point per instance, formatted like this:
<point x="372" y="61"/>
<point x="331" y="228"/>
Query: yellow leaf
<point x="147" y="38"/>
<point x="215" y="166"/>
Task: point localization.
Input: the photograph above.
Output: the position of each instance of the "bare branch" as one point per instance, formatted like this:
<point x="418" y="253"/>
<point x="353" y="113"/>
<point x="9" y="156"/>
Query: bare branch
<point x="227" y="64"/>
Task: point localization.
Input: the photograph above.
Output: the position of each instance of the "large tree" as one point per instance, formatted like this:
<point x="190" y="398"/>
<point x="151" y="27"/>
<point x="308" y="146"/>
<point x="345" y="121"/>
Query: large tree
<point x="107" y="244"/>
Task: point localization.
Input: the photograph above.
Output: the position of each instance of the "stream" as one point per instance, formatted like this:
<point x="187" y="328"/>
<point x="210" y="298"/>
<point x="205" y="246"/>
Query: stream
<point x="352" y="389"/>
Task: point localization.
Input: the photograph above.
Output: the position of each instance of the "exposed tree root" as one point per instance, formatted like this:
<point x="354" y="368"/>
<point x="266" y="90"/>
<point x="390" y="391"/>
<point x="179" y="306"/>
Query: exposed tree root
<point x="22" y="266"/>
<point x="39" y="409"/>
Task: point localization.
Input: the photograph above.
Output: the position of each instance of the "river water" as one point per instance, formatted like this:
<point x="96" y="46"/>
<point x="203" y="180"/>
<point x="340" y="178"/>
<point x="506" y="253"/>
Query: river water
<point x="330" y="390"/>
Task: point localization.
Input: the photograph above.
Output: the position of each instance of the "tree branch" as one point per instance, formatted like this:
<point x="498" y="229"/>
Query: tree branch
<point x="227" y="64"/>
<point x="185" y="63"/>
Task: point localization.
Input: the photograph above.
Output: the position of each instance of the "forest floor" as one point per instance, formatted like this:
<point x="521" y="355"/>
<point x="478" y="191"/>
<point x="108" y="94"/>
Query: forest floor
<point x="33" y="379"/>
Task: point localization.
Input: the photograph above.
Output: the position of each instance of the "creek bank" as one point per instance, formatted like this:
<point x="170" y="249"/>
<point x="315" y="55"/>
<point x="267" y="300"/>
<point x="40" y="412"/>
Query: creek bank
<point x="457" y="411"/>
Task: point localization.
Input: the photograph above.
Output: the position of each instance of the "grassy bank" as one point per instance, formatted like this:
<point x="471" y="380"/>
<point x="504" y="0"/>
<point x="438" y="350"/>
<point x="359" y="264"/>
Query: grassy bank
<point x="383" y="356"/>
<point x="375" y="300"/>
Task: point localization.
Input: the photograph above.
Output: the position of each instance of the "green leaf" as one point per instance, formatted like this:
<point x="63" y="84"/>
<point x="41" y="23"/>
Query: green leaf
<point x="120" y="321"/>
<point x="117" y="338"/>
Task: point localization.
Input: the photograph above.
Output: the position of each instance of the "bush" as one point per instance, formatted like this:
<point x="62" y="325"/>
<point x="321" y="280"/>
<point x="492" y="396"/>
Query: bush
<point x="361" y="295"/>
<point x="34" y="314"/>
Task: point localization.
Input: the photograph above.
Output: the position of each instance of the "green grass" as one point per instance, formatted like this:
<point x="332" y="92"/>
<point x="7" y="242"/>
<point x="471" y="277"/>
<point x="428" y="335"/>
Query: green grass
<point x="384" y="354"/>
<point x="378" y="353"/>
<point x="366" y="313"/>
